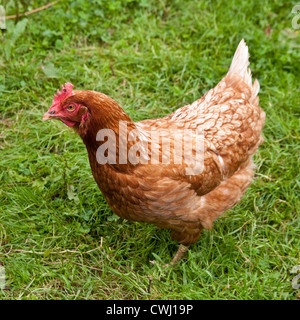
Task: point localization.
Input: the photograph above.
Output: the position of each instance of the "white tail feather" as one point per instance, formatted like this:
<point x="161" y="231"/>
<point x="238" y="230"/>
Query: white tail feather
<point x="239" y="65"/>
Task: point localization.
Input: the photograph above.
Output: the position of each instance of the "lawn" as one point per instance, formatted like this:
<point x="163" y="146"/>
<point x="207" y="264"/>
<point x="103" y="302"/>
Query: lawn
<point x="58" y="237"/>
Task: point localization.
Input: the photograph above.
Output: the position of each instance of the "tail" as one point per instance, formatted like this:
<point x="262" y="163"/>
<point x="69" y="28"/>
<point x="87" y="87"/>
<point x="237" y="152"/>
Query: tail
<point x="239" y="66"/>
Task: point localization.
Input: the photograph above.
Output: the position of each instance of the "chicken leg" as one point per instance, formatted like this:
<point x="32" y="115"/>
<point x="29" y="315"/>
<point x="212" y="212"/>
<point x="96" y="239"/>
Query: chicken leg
<point x="179" y="254"/>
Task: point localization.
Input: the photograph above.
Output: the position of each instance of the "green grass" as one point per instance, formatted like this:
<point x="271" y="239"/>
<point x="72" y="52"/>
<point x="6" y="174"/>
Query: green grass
<point x="58" y="237"/>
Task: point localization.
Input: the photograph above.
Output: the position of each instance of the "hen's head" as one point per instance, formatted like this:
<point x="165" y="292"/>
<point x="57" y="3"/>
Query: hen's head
<point x="86" y="111"/>
<point x="67" y="109"/>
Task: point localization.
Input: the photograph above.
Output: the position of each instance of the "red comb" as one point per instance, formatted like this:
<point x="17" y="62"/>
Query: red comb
<point x="65" y="92"/>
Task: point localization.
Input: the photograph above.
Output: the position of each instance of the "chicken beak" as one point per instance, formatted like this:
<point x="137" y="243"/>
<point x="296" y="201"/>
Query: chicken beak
<point x="50" y="115"/>
<point x="46" y="116"/>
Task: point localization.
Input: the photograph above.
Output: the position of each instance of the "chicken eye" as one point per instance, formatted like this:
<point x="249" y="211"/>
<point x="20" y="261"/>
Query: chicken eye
<point x="71" y="108"/>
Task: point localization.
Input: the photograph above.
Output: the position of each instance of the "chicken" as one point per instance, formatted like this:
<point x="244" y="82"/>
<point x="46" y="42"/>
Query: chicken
<point x="179" y="172"/>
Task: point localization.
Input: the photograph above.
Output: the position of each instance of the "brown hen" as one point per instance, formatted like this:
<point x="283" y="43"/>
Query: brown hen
<point x="179" y="172"/>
